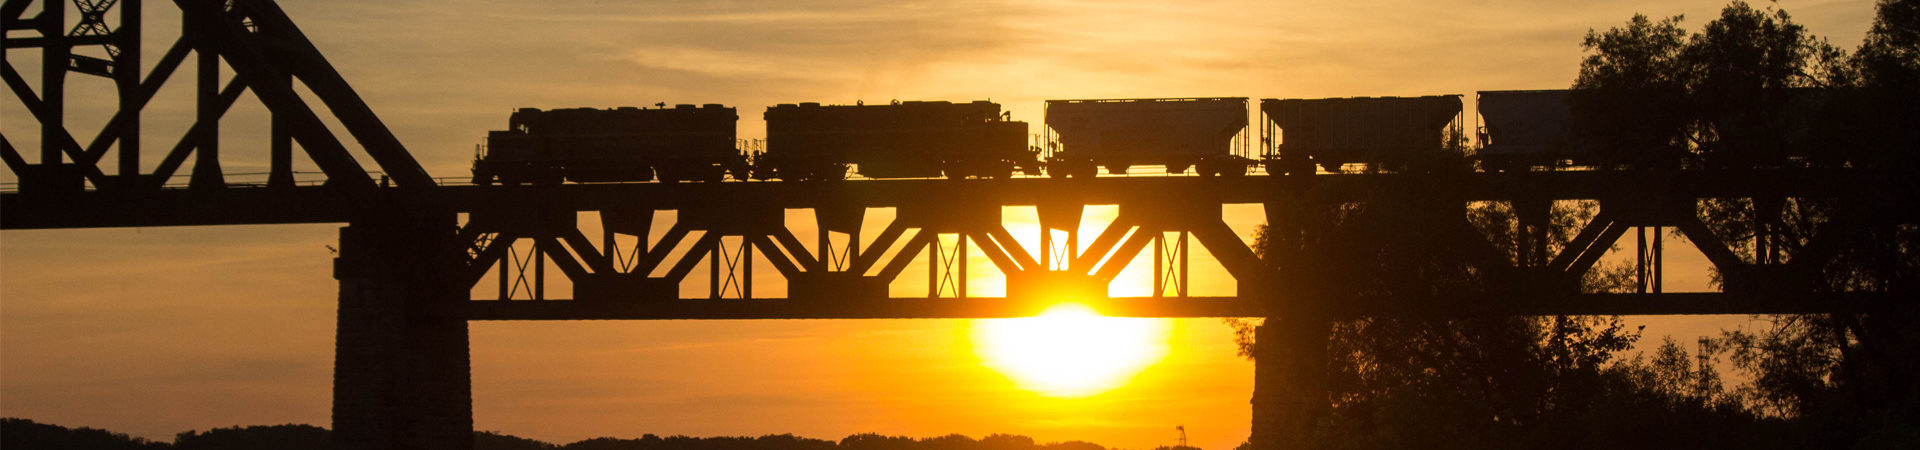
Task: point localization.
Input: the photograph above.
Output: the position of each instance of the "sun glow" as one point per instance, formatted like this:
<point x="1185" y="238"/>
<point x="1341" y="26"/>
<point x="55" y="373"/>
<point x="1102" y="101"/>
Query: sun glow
<point x="1070" y="350"/>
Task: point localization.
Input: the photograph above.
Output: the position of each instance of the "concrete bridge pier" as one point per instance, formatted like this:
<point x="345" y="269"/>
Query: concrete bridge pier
<point x="401" y="376"/>
<point x="1289" y="380"/>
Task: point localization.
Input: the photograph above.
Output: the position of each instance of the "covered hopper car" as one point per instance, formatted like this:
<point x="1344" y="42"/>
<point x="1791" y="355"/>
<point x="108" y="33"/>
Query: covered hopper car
<point x="619" y="144"/>
<point x="1642" y="128"/>
<point x="1530" y="128"/>
<point x="899" y="140"/>
<point x="1382" y="132"/>
<point x="1794" y="127"/>
<point x="1177" y="133"/>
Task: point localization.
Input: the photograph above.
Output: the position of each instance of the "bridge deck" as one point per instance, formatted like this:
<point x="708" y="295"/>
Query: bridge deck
<point x="317" y="204"/>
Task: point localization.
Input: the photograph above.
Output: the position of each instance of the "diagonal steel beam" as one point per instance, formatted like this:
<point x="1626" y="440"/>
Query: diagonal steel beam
<point x="918" y="243"/>
<point x="63" y="139"/>
<point x="1102" y="244"/>
<point x="1233" y="254"/>
<point x="708" y="243"/>
<point x="168" y="63"/>
<point x="1125" y="254"/>
<point x="270" y="85"/>
<point x="794" y="247"/>
<point x="326" y="83"/>
<point x="662" y="249"/>
<point x="178" y="155"/>
<point x="995" y="253"/>
<point x="775" y="256"/>
<point x="10" y="11"/>
<point x="11" y="156"/>
<point x="567" y="262"/>
<point x="1013" y="248"/>
<point x="1478" y="251"/>
<point x="580" y="244"/>
<point x="1710" y="245"/>
<point x="881" y="244"/>
<point x="496" y="249"/>
<point x="1582" y="241"/>
<point x="1599" y="247"/>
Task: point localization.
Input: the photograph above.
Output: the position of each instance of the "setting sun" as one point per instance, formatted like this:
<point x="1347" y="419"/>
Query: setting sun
<point x="1070" y="350"/>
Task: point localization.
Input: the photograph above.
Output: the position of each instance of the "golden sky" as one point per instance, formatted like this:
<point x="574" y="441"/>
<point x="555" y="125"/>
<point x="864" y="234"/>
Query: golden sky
<point x="156" y="331"/>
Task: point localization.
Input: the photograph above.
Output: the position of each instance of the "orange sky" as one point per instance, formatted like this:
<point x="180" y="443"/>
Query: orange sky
<point x="156" y="331"/>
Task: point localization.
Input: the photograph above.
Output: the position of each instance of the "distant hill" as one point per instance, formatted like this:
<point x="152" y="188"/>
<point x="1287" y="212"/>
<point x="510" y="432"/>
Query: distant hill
<point x="23" y="434"/>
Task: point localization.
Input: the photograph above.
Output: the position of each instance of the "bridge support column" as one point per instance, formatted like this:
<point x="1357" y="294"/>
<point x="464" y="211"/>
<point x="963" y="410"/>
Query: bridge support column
<point x="1289" y="381"/>
<point x="401" y="372"/>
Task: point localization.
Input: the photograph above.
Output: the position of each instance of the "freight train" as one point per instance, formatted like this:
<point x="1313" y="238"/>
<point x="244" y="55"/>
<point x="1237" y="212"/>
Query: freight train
<point x="1523" y="130"/>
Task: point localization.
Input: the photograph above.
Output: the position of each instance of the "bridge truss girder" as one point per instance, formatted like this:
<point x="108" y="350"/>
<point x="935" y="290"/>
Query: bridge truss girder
<point x="267" y="55"/>
<point x="1527" y="277"/>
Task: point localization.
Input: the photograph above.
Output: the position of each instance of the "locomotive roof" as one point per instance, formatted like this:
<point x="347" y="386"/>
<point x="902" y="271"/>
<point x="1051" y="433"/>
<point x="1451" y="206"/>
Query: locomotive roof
<point x="1422" y="97"/>
<point x="891" y="104"/>
<point x="1169" y="99"/>
<point x="677" y="107"/>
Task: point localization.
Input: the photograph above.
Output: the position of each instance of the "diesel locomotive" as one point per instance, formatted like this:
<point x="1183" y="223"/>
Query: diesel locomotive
<point x="610" y="145"/>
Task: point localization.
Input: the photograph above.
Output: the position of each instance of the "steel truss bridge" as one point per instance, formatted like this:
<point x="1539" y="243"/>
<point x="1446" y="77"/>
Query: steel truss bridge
<point x="413" y="250"/>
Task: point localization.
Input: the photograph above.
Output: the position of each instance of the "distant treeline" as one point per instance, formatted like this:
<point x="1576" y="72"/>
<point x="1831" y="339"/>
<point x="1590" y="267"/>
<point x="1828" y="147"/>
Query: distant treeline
<point x="23" y="434"/>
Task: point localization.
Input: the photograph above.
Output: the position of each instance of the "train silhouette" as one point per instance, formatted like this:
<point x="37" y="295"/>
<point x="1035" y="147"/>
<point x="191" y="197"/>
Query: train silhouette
<point x="1522" y="130"/>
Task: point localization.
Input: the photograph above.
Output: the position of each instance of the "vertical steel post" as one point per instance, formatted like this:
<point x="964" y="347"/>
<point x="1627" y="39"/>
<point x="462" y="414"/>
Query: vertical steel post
<point x="206" y="162"/>
<point x="53" y="84"/>
<point x="539" y="272"/>
<point x="1159" y="261"/>
<point x="280" y="149"/>
<point x="960" y="253"/>
<point x="126" y="77"/>
<point x="827" y="253"/>
<point x="1046" y="247"/>
<point x="713" y="267"/>
<point x="933" y="265"/>
<point x="746" y="269"/>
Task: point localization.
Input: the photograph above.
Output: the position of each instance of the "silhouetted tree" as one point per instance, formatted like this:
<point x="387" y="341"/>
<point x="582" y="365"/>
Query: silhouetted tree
<point x="490" y="440"/>
<point x="23" y="434"/>
<point x="1419" y="380"/>
<point x="1073" y="445"/>
<point x="289" y="436"/>
<point x="1890" y="56"/>
<point x="1837" y="380"/>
